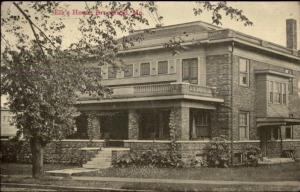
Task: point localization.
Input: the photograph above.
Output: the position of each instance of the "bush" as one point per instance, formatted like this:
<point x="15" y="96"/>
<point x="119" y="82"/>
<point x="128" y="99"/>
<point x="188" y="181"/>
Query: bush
<point x="218" y="152"/>
<point x="151" y="157"/>
<point x="251" y="155"/>
<point x="10" y="149"/>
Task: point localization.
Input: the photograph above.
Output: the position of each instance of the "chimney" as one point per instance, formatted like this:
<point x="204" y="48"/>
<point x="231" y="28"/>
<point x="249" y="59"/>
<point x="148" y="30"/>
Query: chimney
<point x="291" y="34"/>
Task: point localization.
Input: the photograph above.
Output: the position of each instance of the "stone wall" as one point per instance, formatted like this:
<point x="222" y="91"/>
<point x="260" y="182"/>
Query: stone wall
<point x="66" y="151"/>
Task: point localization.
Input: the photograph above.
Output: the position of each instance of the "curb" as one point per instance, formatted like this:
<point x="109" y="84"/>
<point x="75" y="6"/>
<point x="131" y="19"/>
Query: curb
<point x="64" y="188"/>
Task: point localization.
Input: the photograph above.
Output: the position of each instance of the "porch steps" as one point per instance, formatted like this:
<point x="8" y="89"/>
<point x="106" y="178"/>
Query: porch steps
<point x="103" y="159"/>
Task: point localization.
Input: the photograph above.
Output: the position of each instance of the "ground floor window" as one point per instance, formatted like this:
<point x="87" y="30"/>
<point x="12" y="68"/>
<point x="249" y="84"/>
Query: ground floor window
<point x="289" y="132"/>
<point x="200" y="124"/>
<point x="244" y="125"/>
<point x="154" y="124"/>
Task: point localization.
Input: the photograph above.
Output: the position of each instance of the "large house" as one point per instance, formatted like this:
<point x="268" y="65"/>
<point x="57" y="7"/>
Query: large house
<point x="222" y="82"/>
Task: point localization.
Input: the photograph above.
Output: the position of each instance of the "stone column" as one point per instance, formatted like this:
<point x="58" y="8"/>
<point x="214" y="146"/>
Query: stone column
<point x="181" y="119"/>
<point x="133" y="124"/>
<point x="93" y="126"/>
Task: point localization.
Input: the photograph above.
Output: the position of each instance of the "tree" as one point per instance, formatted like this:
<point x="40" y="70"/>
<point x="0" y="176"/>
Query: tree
<point x="43" y="80"/>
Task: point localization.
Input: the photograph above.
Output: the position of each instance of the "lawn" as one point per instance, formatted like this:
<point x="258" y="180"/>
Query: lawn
<point x="25" y="169"/>
<point x="278" y="172"/>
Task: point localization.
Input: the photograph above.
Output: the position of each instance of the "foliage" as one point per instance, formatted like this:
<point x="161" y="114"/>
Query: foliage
<point x="152" y="157"/>
<point x="218" y="152"/>
<point x="219" y="8"/>
<point x="289" y="153"/>
<point x="10" y="149"/>
<point x="251" y="155"/>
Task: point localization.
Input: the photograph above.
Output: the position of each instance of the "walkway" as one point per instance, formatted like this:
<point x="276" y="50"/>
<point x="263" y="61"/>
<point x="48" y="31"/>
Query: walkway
<point x="185" y="181"/>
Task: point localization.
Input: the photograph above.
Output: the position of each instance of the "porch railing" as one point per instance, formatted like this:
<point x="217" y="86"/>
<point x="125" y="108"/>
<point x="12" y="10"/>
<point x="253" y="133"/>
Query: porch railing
<point x="173" y="89"/>
<point x="163" y="89"/>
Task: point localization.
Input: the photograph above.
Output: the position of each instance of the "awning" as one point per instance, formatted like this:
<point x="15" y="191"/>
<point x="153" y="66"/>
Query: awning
<point x="276" y="121"/>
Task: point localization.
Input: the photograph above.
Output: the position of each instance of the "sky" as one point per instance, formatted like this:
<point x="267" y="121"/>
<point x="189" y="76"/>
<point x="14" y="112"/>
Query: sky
<point x="269" y="18"/>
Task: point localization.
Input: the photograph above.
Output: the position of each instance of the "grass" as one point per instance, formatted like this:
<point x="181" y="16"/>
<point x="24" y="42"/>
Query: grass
<point x="149" y="186"/>
<point x="278" y="172"/>
<point x="25" y="169"/>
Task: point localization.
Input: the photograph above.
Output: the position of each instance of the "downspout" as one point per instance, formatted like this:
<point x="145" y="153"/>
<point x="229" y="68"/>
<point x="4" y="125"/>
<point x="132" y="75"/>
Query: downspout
<point x="231" y="100"/>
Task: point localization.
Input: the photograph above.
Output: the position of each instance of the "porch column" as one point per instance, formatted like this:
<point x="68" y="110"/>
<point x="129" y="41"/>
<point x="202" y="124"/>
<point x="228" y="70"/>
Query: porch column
<point x="93" y="127"/>
<point x="181" y="120"/>
<point x="133" y="124"/>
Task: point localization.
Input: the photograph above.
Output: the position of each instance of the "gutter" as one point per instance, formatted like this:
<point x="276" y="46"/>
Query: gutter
<point x="231" y="100"/>
<point x="207" y="41"/>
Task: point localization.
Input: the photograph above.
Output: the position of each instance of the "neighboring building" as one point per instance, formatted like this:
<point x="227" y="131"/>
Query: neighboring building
<point x="7" y="129"/>
<point x="223" y="83"/>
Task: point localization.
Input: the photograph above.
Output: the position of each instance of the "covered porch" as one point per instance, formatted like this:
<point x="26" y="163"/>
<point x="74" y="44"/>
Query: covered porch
<point x="274" y="132"/>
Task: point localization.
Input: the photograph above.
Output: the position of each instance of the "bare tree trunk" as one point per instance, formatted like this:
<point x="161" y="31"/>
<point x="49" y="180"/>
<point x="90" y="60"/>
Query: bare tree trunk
<point x="37" y="157"/>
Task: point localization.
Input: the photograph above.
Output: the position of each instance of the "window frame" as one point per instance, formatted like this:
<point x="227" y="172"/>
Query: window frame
<point x="126" y="68"/>
<point x="190" y="79"/>
<point x="158" y="67"/>
<point x="109" y="69"/>
<point x="247" y="72"/>
<point x="291" y="132"/>
<point x="142" y="73"/>
<point x="247" y="125"/>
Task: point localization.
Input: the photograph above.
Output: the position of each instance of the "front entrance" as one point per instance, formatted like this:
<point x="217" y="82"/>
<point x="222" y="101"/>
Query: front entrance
<point x="114" y="128"/>
<point x="268" y="134"/>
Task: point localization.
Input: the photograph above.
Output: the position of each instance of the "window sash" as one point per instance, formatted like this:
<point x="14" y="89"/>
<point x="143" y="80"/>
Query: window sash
<point x="112" y="73"/>
<point x="289" y="134"/>
<point x="244" y="125"/>
<point x="190" y="70"/>
<point x="162" y="67"/>
<point x="128" y="71"/>
<point x="244" y="71"/>
<point x="145" y="69"/>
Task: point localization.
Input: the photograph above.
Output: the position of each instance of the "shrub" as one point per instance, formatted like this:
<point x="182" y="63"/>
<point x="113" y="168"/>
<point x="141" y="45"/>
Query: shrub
<point x="10" y="149"/>
<point x="151" y="157"/>
<point x="251" y="155"/>
<point x="218" y="152"/>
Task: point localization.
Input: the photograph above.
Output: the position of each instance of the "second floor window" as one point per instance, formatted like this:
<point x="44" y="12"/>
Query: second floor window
<point x="244" y="71"/>
<point x="145" y="69"/>
<point x="291" y="81"/>
<point x="162" y="67"/>
<point x="277" y="92"/>
<point x="244" y="125"/>
<point x="190" y="70"/>
<point x="271" y="85"/>
<point x="128" y="71"/>
<point x="112" y="72"/>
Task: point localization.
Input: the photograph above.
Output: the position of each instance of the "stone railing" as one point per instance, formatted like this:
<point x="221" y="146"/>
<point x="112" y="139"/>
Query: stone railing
<point x="172" y="89"/>
<point x="162" y="89"/>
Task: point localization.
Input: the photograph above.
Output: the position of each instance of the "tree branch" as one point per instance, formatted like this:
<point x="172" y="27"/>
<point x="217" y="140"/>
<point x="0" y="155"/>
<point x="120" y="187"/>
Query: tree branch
<point x="33" y="24"/>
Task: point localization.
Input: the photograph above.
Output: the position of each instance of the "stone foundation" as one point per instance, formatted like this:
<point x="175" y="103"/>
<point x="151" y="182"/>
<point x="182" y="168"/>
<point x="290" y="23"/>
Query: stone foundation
<point x="65" y="151"/>
<point x="70" y="151"/>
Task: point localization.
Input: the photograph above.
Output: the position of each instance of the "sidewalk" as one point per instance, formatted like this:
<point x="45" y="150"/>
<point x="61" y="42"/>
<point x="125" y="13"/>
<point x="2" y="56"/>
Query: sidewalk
<point x="182" y="181"/>
<point x="172" y="181"/>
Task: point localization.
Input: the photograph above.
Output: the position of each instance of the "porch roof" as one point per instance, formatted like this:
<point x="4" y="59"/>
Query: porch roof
<point x="277" y="121"/>
<point x="152" y="98"/>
